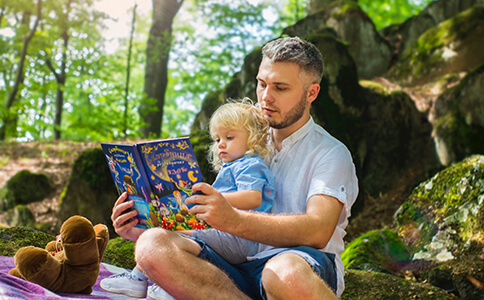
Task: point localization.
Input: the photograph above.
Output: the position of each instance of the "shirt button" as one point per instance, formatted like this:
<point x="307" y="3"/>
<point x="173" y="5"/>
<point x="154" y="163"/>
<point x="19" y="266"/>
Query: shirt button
<point x="275" y="160"/>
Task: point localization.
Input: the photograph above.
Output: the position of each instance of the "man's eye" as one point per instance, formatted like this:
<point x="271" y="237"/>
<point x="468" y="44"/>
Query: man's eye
<point x="281" y="88"/>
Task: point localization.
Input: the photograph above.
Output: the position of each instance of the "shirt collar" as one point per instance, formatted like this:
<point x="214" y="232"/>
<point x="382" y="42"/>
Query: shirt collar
<point x="298" y="134"/>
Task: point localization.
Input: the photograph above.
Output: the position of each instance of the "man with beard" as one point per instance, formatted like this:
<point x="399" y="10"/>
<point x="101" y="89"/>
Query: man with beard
<point x="302" y="238"/>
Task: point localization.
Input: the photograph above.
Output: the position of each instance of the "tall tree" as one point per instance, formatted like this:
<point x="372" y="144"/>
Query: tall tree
<point x="61" y="74"/>
<point x="156" y="71"/>
<point x="9" y="117"/>
<point x="128" y="73"/>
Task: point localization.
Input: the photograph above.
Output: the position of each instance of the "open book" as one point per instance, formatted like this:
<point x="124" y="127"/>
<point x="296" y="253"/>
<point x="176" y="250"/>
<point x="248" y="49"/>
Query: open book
<point x="158" y="176"/>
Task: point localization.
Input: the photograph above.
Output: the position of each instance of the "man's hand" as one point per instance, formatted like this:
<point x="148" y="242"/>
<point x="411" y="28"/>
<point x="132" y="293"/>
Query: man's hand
<point x="121" y="219"/>
<point x="211" y="207"/>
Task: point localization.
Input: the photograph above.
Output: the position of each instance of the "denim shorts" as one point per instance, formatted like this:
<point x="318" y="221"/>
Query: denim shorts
<point x="247" y="275"/>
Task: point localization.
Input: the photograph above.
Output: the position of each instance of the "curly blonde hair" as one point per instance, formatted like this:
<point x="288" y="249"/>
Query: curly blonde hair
<point x="240" y="114"/>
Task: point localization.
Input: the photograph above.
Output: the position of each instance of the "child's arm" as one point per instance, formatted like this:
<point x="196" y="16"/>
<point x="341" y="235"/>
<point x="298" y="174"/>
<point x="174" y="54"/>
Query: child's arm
<point x="250" y="199"/>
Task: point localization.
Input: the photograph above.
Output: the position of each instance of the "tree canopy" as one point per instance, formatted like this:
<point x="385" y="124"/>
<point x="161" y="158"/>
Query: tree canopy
<point x="58" y="79"/>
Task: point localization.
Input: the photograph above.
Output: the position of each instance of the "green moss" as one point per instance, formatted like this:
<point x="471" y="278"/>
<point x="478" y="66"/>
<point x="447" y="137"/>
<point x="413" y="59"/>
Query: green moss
<point x="87" y="167"/>
<point x="120" y="252"/>
<point x="23" y="188"/>
<point x="374" y="87"/>
<point x="363" y="285"/>
<point x="341" y="8"/>
<point x="380" y="250"/>
<point x="419" y="60"/>
<point x="452" y="199"/>
<point x="14" y="238"/>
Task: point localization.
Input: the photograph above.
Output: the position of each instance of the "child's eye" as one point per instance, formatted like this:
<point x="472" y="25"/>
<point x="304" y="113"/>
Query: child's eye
<point x="230" y="138"/>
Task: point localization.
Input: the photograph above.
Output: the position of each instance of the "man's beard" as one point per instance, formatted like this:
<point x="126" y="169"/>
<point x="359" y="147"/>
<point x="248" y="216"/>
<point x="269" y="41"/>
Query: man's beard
<point x="296" y="113"/>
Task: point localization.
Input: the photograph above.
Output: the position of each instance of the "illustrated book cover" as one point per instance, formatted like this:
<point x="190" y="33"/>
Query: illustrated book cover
<point x="158" y="176"/>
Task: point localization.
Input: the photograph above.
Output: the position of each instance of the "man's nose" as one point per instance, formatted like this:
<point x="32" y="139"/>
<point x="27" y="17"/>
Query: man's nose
<point x="267" y="96"/>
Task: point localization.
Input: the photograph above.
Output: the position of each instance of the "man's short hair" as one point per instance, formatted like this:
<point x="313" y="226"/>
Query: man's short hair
<point x="294" y="49"/>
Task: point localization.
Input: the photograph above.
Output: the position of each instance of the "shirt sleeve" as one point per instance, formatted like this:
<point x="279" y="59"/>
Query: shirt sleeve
<point x="252" y="175"/>
<point x="334" y="175"/>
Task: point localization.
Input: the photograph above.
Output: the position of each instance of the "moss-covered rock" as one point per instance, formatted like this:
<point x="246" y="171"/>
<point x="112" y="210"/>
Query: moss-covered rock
<point x="90" y="191"/>
<point x="445" y="48"/>
<point x="444" y="216"/>
<point x="365" y="285"/>
<point x="459" y="276"/>
<point x="201" y="142"/>
<point x="20" y="215"/>
<point x="403" y="36"/>
<point x="458" y="119"/>
<point x="368" y="49"/>
<point x="23" y="188"/>
<point x="377" y="250"/>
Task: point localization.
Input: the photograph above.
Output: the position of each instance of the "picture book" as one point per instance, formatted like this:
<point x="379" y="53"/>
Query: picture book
<point x="158" y="176"/>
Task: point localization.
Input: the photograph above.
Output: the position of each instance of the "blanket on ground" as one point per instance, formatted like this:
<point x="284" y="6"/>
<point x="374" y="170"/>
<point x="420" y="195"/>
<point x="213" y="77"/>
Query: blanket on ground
<point x="12" y="287"/>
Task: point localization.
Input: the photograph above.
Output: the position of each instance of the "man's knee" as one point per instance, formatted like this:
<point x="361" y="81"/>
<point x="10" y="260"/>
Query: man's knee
<point x="151" y="244"/>
<point x="285" y="268"/>
<point x="289" y="276"/>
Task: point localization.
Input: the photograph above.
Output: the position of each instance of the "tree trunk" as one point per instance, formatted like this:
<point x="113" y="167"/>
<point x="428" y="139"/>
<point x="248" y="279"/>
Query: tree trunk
<point x="9" y="118"/>
<point x="156" y="73"/>
<point x="62" y="76"/>
<point x="128" y="73"/>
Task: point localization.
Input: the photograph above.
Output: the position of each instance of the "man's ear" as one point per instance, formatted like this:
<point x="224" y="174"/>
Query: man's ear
<point x="313" y="92"/>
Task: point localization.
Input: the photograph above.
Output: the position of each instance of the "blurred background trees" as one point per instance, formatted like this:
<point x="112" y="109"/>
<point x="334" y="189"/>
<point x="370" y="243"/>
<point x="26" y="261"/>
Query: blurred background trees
<point x="61" y="79"/>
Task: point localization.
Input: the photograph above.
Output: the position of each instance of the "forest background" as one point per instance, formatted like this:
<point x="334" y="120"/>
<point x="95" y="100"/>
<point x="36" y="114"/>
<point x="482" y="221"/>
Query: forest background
<point x="63" y="75"/>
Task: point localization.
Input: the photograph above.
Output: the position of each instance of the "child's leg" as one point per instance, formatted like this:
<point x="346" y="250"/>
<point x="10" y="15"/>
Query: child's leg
<point x="230" y="247"/>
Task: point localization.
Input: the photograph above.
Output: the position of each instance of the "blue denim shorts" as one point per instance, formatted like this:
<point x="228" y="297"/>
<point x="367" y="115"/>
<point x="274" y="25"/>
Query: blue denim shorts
<point x="247" y="275"/>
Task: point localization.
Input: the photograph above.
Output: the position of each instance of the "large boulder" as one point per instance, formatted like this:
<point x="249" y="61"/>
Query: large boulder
<point x="450" y="47"/>
<point x="23" y="188"/>
<point x="443" y="221"/>
<point x="406" y="34"/>
<point x="370" y="51"/>
<point x="20" y="215"/>
<point x="444" y="216"/>
<point x="90" y="191"/>
<point x="458" y="119"/>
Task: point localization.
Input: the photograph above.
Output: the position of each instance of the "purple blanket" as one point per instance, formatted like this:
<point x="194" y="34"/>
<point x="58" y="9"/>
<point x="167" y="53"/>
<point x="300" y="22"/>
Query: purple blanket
<point x="12" y="287"/>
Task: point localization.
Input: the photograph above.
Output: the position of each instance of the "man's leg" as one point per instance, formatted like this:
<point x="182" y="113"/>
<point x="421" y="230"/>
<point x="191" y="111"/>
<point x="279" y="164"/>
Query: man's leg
<point x="289" y="276"/>
<point x="171" y="261"/>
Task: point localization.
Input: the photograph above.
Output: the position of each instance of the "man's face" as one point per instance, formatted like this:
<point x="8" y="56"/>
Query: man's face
<point x="281" y="94"/>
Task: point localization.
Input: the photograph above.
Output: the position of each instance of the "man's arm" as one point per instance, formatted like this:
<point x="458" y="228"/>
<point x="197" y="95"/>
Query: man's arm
<point x="313" y="228"/>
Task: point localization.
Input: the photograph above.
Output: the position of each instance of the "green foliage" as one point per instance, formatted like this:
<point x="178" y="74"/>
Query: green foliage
<point x="212" y="38"/>
<point x="388" y="12"/>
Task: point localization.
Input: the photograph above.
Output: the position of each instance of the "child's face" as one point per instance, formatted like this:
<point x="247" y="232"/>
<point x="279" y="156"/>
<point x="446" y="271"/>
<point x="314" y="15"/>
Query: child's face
<point x="231" y="143"/>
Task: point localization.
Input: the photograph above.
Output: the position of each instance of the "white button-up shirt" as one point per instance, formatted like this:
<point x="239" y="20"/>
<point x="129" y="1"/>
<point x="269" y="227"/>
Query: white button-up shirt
<point x="312" y="162"/>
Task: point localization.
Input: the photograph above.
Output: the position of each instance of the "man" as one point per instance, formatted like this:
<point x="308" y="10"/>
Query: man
<point x="302" y="238"/>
